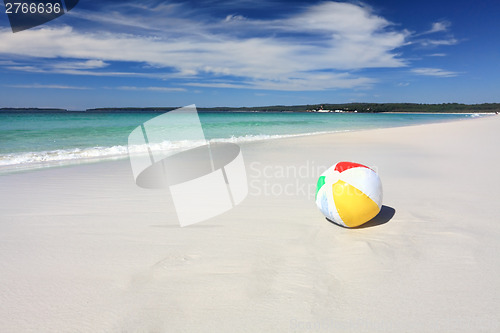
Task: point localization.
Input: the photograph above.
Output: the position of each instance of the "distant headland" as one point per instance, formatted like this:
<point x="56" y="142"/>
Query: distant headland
<point x="32" y="110"/>
<point x="339" y="108"/>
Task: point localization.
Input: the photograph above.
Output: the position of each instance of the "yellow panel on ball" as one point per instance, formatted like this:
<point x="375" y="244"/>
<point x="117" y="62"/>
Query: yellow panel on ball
<point x="353" y="206"/>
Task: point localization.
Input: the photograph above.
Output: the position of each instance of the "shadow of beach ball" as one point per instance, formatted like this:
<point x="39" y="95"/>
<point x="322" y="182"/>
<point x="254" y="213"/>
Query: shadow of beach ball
<point x="349" y="194"/>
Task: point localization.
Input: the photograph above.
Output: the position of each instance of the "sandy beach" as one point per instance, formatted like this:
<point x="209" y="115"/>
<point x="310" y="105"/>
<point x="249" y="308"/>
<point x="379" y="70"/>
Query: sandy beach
<point x="83" y="249"/>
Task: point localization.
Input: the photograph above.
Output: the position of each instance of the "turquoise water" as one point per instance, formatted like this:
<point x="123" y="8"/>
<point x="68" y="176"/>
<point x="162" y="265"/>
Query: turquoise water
<point x="44" y="138"/>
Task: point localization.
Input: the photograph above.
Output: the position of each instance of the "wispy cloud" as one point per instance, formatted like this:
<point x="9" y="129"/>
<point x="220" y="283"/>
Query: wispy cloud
<point x="160" y="89"/>
<point x="77" y="65"/>
<point x="232" y="17"/>
<point x="66" y="68"/>
<point x="7" y="63"/>
<point x="46" y="86"/>
<point x="444" y="38"/>
<point x="438" y="42"/>
<point x="436" y="27"/>
<point x="434" y="72"/>
<point x="298" y="83"/>
<point x="320" y="47"/>
<point x="439" y="27"/>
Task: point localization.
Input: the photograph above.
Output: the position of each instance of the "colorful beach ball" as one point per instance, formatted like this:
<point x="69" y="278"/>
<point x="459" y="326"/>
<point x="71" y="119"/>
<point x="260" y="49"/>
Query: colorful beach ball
<point x="349" y="194"/>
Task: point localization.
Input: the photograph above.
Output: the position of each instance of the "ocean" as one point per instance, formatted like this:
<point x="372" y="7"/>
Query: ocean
<point x="32" y="140"/>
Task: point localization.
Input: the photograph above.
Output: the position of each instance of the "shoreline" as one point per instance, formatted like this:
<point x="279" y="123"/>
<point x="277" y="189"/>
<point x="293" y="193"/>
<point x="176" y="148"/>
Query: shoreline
<point x="139" y="110"/>
<point x="41" y="165"/>
<point x="471" y="113"/>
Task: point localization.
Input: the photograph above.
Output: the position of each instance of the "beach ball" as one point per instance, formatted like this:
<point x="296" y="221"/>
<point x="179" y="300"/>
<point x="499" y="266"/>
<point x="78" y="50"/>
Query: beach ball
<point x="349" y="194"/>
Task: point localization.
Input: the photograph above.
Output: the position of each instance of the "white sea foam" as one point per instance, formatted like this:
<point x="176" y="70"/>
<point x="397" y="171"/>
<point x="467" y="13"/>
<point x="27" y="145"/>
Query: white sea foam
<point x="78" y="155"/>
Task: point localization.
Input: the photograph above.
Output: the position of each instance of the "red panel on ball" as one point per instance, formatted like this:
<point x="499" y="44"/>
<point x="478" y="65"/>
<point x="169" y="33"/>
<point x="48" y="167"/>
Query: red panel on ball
<point x="343" y="166"/>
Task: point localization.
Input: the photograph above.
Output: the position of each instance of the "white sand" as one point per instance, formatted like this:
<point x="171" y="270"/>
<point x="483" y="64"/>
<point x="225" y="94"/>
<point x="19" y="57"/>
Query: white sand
<point x="82" y="249"/>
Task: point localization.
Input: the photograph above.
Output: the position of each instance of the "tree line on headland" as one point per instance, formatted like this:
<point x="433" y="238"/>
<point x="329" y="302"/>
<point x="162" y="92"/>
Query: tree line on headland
<point x="348" y="107"/>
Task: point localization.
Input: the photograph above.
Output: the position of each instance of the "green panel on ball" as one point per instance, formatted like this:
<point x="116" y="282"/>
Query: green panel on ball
<point x="321" y="182"/>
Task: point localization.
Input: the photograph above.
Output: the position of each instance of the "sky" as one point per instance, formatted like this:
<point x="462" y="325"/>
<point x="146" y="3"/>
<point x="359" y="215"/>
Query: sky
<point x="254" y="53"/>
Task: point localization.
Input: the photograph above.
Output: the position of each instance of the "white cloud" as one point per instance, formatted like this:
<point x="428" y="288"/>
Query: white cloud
<point x="336" y="38"/>
<point x="434" y="72"/>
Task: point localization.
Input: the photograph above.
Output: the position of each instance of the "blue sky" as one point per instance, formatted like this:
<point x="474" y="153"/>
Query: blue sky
<point x="253" y="53"/>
